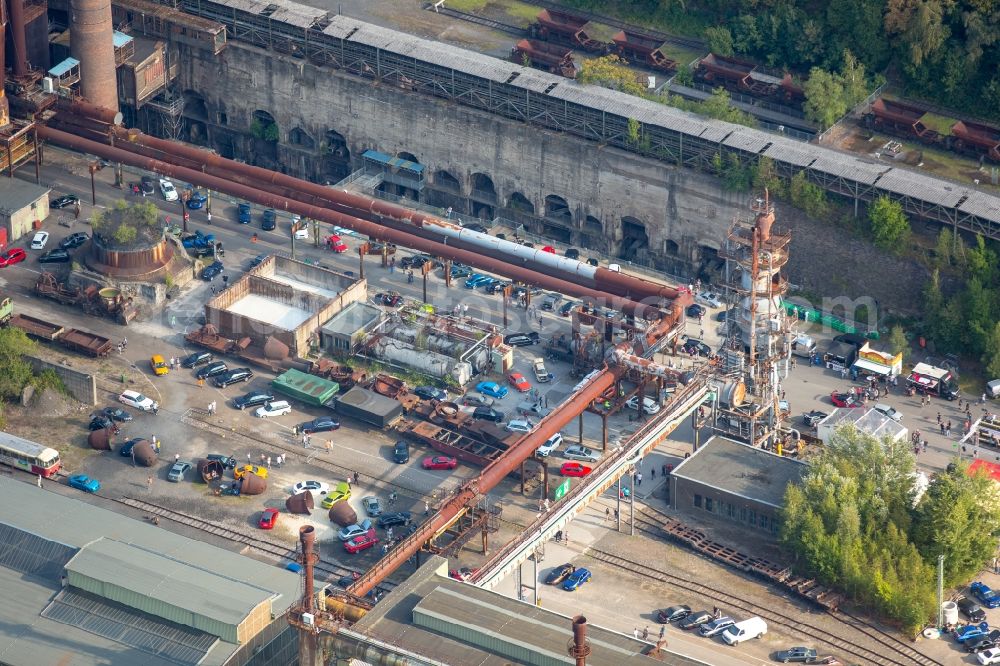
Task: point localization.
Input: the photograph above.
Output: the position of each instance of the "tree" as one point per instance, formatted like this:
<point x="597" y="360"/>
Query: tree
<point x="807" y="196"/>
<point x="853" y="79"/>
<point x="920" y="25"/>
<point x="991" y="356"/>
<point x="981" y="261"/>
<point x="942" y="249"/>
<point x="125" y="234"/>
<point x="889" y="225"/>
<point x="898" y="342"/>
<point x="978" y="308"/>
<point x="719" y="106"/>
<point x="15" y="372"/>
<point x="825" y="100"/>
<point x="720" y="40"/>
<point x="610" y="71"/>
<point x="765" y="177"/>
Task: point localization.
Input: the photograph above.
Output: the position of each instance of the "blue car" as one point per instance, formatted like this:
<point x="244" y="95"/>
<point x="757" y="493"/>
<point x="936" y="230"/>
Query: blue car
<point x="477" y="280"/>
<point x="197" y="200"/>
<point x="84" y="483"/>
<point x="971" y="632"/>
<point x="243" y="213"/>
<point x="269" y="221"/>
<point x="197" y="240"/>
<point x="576" y="579"/>
<point x="212" y="270"/>
<point x="986" y="596"/>
<point x="492" y="389"/>
<point x="460" y="271"/>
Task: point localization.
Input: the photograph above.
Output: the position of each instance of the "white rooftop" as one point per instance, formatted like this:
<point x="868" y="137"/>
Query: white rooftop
<point x="276" y="313"/>
<point x="303" y="286"/>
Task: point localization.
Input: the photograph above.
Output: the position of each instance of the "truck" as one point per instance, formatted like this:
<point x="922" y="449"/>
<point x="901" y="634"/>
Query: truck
<point x="932" y="380"/>
<point x="541" y="372"/>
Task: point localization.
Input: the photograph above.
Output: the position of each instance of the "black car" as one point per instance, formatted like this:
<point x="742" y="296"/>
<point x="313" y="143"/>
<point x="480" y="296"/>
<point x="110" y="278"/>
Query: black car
<point x="522" y="339"/>
<point x="460" y="271"/>
<point x="147" y="185"/>
<point x="694" y="620"/>
<point x="257" y="261"/>
<point x="989" y="641"/>
<point x="396" y="518"/>
<point x="58" y="256"/>
<point x="572" y="253"/>
<point x="127" y="447"/>
<point x="591" y="261"/>
<point x="252" y="399"/>
<point x="672" y="614"/>
<point x="851" y="339"/>
<point x="64" y="201"/>
<point x="695" y="310"/>
<point x="116" y="414"/>
<point x="233" y="376"/>
<point x="401" y="452"/>
<point x="200" y="252"/>
<point x="801" y="655"/>
<point x="522" y="290"/>
<point x="692" y="346"/>
<point x="559" y="574"/>
<point x="195" y="359"/>
<point x="971" y="610"/>
<point x="496" y="287"/>
<point x="270" y="219"/>
<point x="74" y="240"/>
<point x="430" y="393"/>
<point x="100" y="422"/>
<point x="813" y="417"/>
<point x="566" y="308"/>
<point x="212" y="270"/>
<point x="416" y="261"/>
<point x="228" y="462"/>
<point x="212" y="369"/>
<point x="320" y="424"/>
<point x="487" y="414"/>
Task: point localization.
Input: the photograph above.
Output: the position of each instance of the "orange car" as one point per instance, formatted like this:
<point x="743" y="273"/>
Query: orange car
<point x="518" y="381"/>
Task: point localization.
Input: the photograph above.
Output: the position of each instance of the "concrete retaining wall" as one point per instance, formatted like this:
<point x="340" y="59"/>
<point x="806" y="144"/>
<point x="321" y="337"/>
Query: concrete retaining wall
<point x="81" y="385"/>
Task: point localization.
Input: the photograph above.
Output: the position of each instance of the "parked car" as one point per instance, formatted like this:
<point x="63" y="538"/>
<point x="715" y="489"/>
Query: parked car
<point x="315" y="487"/>
<point x="361" y="542"/>
<point x="371" y="505"/>
<point x="168" y="190"/>
<point x="550" y="445"/>
<point x="797" y="655"/>
<point x="813" y="417"/>
<point x="566" y="308"/>
<point x="252" y="399"/>
<point x="551" y="300"/>
<point x="257" y="261"/>
<point x="212" y="369"/>
<point x="116" y="414"/>
<point x="716" y="626"/>
<point x="56" y="256"/>
<point x="318" y="424"/>
<point x="463" y="574"/>
<point x="417" y="261"/>
<point x="672" y="614"/>
<point x="14" y="255"/>
<point x="159" y="365"/>
<point x="439" y="462"/>
<point x="340" y="493"/>
<point x="354" y="530"/>
<point x="64" y="201"/>
<point x="694" y="347"/>
<point x="147" y="185"/>
<point x="987" y="642"/>
<point x="390" y="300"/>
<point x="695" y="310"/>
<point x="475" y="280"/>
<point x="987" y="657"/>
<point x="430" y="393"/>
<point x="695" y="619"/>
<point x="576" y="579"/>
<point x="243" y="213"/>
<point x="522" y="339"/>
<point x="725" y="315"/>
<point x="888" y="410"/>
<point x="578" y="452"/>
<point x="100" y="422"/>
<point x="177" y="471"/>
<point x="744" y="630"/>
<point x="492" y="389"/>
<point x="575" y="469"/>
<point x="268" y="519"/>
<point x="127" y="447"/>
<point x="649" y="405"/>
<point x="243" y="470"/>
<point x="211" y="271"/>
<point x="335" y="244"/>
<point x="519" y="425"/>
<point x="844" y="400"/>
<point x="460" y="271"/>
<point x="495" y="287"/>
<point x="518" y="381"/>
<point x="198" y="239"/>
<point x="197" y="200"/>
<point x="401" y="452"/>
<point x="138" y="401"/>
<point x="74" y="240"/>
<point x="572" y="253"/>
<point x="269" y="220"/>
<point x="972" y="632"/>
<point x="971" y="609"/>
<point x="559" y="574"/>
<point x="227" y="462"/>
<point x="84" y="483"/>
<point x="488" y="414"/>
<point x="395" y="518"/>
<point x="711" y="299"/>
<point x="232" y="377"/>
<point x="477" y="400"/>
<point x="273" y="408"/>
<point x="986" y="596"/>
<point x="196" y="359"/>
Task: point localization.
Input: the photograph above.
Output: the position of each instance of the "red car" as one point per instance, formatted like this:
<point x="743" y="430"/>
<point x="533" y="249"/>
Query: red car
<point x="14" y="255"/>
<point x="844" y="400"/>
<point x="463" y="574"/>
<point x="574" y="469"/>
<point x="268" y="517"/>
<point x="518" y="381"/>
<point x="361" y="542"/>
<point x="334" y="244"/>
<point x="440" y="462"/>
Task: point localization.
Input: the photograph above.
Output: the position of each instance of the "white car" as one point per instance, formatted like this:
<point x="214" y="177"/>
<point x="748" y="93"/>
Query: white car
<point x="274" y="408"/>
<point x="519" y="425"/>
<point x="550" y="445"/>
<point x="891" y="412"/>
<point x="311" y="486"/>
<point x="372" y="506"/>
<point x="139" y="401"/>
<point x="577" y="452"/>
<point x="168" y="190"/>
<point x="710" y="299"/>
<point x="649" y="405"/>
<point x="357" y="529"/>
<point x="991" y="656"/>
<point x="39" y="240"/>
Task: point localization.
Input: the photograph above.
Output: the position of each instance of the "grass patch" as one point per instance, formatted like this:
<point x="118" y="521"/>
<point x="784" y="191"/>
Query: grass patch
<point x="600" y="32"/>
<point x="940" y="124"/>
<point x="465" y="5"/>
<point x="522" y="11"/>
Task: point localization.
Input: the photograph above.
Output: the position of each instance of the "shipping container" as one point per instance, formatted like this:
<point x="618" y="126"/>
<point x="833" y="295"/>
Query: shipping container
<point x="307" y="388"/>
<point x="368" y="406"/>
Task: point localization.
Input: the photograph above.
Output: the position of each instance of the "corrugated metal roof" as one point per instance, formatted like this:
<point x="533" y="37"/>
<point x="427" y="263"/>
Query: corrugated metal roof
<point x="748" y="139"/>
<point x="31" y="554"/>
<point x="340" y="26"/>
<point x="982" y="205"/>
<point x="296" y="17"/>
<point x="791" y="152"/>
<point x="120" y="39"/>
<point x="249" y="6"/>
<point x="848" y="167"/>
<point x="534" y="80"/>
<point x="715" y="131"/>
<point x="64" y="66"/>
<point x="921" y="187"/>
<point x="165" y="580"/>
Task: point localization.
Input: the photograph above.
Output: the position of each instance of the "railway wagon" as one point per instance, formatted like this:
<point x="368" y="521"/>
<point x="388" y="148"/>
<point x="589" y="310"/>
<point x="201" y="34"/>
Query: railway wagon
<point x="636" y="47"/>
<point x="28" y="456"/>
<point x="85" y="342"/>
<point x="977" y="139"/>
<point x="554" y="25"/>
<point x="745" y="76"/>
<point x="37" y="328"/>
<point x="550" y="57"/>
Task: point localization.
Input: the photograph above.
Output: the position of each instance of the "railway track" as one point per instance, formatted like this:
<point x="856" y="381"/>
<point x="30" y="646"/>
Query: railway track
<point x="483" y="21"/>
<point x="269" y="547"/>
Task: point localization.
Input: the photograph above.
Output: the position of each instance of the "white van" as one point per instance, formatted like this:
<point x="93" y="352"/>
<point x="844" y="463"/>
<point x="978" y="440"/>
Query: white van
<point x="803" y="346"/>
<point x="745" y="630"/>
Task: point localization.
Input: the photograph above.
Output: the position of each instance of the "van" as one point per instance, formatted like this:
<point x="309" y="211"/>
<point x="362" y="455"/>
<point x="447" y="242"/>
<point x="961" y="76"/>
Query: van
<point x="744" y="631"/>
<point x="803" y="346"/>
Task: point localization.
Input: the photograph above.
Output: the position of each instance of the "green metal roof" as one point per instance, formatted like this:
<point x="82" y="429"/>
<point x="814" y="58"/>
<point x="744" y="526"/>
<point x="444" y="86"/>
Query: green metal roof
<point x="310" y="389"/>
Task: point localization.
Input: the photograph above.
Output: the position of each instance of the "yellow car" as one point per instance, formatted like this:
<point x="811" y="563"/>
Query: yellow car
<point x="239" y="472"/>
<point x="160" y="366"/>
<point x="342" y="491"/>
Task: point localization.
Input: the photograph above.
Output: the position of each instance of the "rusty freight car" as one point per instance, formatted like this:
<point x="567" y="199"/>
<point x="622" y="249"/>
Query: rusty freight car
<point x="543" y="55"/>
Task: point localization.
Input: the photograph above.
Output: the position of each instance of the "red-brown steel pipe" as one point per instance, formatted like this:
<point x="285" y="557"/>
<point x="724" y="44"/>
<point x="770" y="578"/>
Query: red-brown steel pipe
<point x="361" y="226"/>
<point x="83" y="108"/>
<point x="20" y="65"/>
<point x="492" y="475"/>
<point x="352" y="203"/>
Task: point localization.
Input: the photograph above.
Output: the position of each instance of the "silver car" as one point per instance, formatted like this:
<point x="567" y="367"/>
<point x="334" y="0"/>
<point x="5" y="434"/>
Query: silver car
<point x="372" y="506"/>
<point x="176" y="473"/>
<point x="577" y="452"/>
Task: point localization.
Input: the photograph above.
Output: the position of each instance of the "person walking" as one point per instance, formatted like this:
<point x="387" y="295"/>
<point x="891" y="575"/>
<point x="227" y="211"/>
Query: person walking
<point x="249" y="459"/>
<point x="280" y="459"/>
<point x="607" y="514"/>
<point x="269" y="462"/>
<point x="149" y="483"/>
<point x="356" y="477"/>
<point x="177" y="457"/>
<point x="263" y="458"/>
<point x="427" y="508"/>
<point x="201" y="382"/>
<point x="635" y="632"/>
<point x="645" y="633"/>
<point x="39" y="482"/>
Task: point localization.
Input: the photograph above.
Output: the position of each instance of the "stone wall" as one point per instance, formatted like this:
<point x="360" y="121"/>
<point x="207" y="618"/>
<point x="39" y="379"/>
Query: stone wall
<point x="80" y="385"/>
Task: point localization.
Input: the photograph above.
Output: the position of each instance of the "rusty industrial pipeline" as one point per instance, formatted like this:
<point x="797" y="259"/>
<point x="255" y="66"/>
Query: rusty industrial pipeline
<point x="19" y="67"/>
<point x="579" y="647"/>
<point x="307" y="536"/>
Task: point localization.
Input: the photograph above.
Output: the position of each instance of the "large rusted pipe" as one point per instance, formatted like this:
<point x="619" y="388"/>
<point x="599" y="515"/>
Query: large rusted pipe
<point x="580" y="649"/>
<point x="20" y="65"/>
<point x="406" y="239"/>
<point x="92" y="43"/>
<point x="83" y="108"/>
<point x="372" y="209"/>
<point x="307" y="535"/>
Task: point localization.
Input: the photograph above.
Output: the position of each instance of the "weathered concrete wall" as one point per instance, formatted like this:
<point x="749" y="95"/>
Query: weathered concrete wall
<point x="681" y="210"/>
<point x="80" y="385"/>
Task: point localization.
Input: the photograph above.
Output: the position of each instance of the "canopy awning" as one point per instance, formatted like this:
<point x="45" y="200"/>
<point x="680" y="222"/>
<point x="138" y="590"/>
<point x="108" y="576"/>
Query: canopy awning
<point x="869" y="366"/>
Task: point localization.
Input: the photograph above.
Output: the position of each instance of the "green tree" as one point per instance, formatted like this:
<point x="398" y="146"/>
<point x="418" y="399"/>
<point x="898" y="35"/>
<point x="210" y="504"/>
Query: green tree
<point x="611" y="71"/>
<point x="125" y="234"/>
<point x="807" y="196"/>
<point x="979" y="308"/>
<point x="991" y="356"/>
<point x="919" y="25"/>
<point x="720" y="40"/>
<point x="853" y="79"/>
<point x="825" y="98"/>
<point x="942" y="249"/>
<point x="889" y="225"/>
<point x="981" y="261"/>
<point x="684" y="76"/>
<point x="632" y="132"/>
<point x="15" y="372"/>
<point x="898" y="342"/>
<point x="765" y="177"/>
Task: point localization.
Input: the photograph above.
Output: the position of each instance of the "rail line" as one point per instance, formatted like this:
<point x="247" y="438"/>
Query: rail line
<point x="483" y="21"/>
<point x="266" y="546"/>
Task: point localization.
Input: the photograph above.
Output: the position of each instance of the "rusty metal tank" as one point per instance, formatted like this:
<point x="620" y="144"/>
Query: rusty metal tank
<point x="342" y="514"/>
<point x="303" y="503"/>
<point x="144" y="453"/>
<point x="253" y="485"/>
<point x="275" y="349"/>
<point x="210" y="470"/>
<point x="100" y="439"/>
<point x="145" y="259"/>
